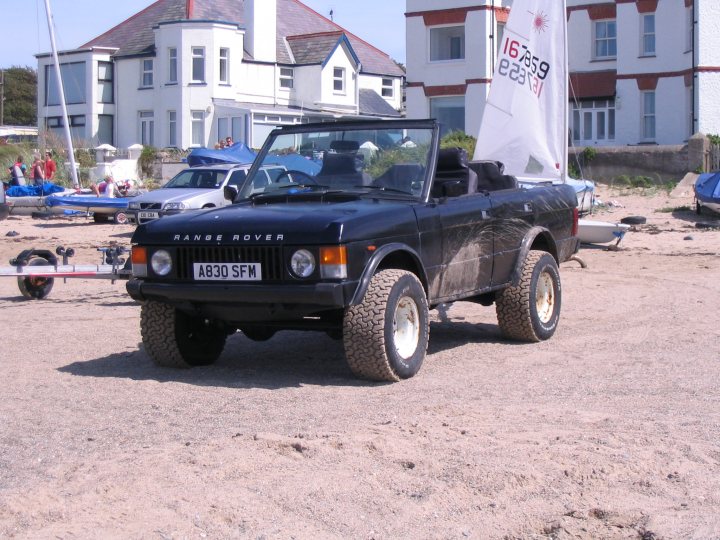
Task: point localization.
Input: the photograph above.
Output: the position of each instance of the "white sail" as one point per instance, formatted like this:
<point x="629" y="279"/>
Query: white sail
<point x="525" y="120"/>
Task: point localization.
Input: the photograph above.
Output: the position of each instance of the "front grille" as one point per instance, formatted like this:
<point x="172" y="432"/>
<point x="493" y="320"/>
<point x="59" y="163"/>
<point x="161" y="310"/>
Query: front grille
<point x="270" y="258"/>
<point x="150" y="206"/>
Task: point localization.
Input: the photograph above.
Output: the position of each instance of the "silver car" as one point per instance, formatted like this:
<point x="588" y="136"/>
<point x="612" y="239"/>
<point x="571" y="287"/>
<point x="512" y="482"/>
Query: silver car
<point x="193" y="189"/>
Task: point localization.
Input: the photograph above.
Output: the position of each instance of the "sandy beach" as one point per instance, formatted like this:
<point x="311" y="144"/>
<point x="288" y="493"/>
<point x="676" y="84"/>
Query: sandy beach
<point x="611" y="429"/>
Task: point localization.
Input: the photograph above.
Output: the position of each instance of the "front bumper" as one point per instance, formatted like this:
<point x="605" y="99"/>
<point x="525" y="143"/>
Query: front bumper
<point x="244" y="301"/>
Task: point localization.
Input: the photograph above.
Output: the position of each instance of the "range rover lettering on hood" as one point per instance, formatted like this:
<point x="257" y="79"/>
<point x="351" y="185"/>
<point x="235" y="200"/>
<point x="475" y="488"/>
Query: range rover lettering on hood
<point x="255" y="237"/>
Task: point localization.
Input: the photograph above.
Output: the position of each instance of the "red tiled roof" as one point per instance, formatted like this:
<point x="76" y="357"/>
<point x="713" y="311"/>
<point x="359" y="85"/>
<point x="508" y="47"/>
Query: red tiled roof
<point x="135" y="35"/>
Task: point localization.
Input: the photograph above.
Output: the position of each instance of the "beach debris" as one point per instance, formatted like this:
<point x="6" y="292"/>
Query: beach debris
<point x="707" y="225"/>
<point x="688" y="237"/>
<point x="634" y="220"/>
<point x="615" y="204"/>
<point x="12" y="233"/>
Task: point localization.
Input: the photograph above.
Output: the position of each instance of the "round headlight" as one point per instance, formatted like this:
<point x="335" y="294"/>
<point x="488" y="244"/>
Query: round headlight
<point x="302" y="263"/>
<point x="161" y="262"/>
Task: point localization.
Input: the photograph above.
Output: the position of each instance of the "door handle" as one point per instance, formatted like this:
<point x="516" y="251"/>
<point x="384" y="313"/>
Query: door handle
<point x="528" y="207"/>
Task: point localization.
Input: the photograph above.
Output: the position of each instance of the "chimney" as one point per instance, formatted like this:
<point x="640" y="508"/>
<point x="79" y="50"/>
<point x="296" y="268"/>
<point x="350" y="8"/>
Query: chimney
<point x="261" y="29"/>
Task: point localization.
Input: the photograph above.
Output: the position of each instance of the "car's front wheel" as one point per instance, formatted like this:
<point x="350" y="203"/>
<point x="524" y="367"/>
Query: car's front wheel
<point x="386" y="336"/>
<point x="173" y="338"/>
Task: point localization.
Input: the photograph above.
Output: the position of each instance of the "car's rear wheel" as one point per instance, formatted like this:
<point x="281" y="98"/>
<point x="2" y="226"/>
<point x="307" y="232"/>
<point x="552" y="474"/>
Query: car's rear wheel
<point x="386" y="336"/>
<point x="176" y="339"/>
<point x="530" y="311"/>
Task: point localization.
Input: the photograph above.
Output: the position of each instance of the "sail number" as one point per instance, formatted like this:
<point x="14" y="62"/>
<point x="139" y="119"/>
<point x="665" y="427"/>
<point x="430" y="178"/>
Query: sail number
<point x="523" y="66"/>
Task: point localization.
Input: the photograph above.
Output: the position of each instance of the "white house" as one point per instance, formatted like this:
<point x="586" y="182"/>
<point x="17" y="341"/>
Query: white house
<point x="186" y="73"/>
<point x="641" y="71"/>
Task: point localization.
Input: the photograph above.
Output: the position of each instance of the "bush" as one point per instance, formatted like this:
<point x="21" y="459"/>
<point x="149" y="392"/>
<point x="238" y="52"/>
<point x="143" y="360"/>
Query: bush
<point x="146" y="161"/>
<point x="459" y="139"/>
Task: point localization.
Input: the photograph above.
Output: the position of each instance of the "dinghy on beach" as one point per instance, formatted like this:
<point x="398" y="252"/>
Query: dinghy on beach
<point x="600" y="232"/>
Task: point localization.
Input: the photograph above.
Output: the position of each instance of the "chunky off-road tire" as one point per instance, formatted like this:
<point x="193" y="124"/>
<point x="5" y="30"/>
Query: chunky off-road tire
<point x="175" y="339"/>
<point x="386" y="336"/>
<point x="36" y="288"/>
<point x="530" y="311"/>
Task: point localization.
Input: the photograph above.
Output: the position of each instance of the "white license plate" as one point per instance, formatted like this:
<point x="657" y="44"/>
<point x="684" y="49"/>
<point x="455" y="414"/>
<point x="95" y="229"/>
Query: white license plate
<point x="227" y="271"/>
<point x="148" y="215"/>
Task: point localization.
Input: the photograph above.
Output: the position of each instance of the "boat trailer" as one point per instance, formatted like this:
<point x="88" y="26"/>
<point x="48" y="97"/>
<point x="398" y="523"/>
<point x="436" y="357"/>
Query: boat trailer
<point x="37" y="269"/>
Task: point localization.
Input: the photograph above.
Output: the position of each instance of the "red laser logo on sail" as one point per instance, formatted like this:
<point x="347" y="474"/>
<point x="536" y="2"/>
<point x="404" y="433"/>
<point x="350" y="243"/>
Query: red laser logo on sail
<point x="540" y="21"/>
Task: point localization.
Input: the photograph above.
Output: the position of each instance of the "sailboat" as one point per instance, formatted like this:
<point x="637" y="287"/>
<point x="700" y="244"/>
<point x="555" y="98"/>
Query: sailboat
<point x="525" y="122"/>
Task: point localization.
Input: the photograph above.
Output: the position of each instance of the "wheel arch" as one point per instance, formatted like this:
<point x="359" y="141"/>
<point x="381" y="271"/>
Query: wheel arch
<point x="537" y="238"/>
<point x="394" y="255"/>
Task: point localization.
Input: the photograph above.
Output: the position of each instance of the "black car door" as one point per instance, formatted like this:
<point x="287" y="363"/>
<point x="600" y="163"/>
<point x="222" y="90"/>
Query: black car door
<point x="467" y="244"/>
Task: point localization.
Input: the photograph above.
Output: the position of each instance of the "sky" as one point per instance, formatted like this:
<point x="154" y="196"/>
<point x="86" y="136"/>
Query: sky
<point x="25" y="32"/>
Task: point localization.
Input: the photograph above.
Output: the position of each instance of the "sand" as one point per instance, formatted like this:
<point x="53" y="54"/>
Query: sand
<point x="610" y="429"/>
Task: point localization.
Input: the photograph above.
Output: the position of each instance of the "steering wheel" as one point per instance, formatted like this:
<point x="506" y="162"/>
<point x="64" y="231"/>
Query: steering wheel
<point x="309" y="179"/>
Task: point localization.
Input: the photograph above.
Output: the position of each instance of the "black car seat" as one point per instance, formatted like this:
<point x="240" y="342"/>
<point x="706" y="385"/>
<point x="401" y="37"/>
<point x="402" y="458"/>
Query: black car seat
<point x="452" y="167"/>
<point x="340" y="170"/>
<point x="491" y="176"/>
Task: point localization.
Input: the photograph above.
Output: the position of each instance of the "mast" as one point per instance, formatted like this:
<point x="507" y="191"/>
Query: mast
<point x="566" y="102"/>
<point x="61" y="90"/>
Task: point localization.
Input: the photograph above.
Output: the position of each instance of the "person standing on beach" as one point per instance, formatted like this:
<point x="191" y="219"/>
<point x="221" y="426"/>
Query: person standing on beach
<point x="50" y="166"/>
<point x="38" y="171"/>
<point x="17" y="173"/>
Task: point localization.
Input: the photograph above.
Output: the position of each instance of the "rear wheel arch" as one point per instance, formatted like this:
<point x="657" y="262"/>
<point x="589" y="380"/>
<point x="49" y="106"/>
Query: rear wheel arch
<point x="537" y="239"/>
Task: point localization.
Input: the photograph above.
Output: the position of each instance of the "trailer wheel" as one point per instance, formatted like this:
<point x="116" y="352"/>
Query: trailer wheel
<point x="530" y="311"/>
<point x="175" y="339"/>
<point x="121" y="217"/>
<point x="36" y="288"/>
<point x="386" y="336"/>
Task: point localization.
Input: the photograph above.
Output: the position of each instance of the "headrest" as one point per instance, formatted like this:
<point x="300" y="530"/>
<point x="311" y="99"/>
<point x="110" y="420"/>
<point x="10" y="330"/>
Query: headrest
<point x="338" y="164"/>
<point x="344" y="146"/>
<point x="450" y="159"/>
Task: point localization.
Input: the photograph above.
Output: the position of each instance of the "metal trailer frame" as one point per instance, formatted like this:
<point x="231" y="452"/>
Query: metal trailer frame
<point x="36" y="269"/>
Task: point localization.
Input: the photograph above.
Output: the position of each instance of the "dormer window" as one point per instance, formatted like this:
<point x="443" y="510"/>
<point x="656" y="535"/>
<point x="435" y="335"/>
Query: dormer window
<point x="339" y="80"/>
<point x="387" y="88"/>
<point x="287" y="76"/>
<point x="146" y="76"/>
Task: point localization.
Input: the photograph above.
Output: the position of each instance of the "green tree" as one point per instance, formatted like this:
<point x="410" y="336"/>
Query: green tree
<point x="20" y="91"/>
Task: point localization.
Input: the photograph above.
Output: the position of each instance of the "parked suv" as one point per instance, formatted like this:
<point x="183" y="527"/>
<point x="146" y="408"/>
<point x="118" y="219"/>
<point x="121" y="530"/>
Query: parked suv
<point x="193" y="189"/>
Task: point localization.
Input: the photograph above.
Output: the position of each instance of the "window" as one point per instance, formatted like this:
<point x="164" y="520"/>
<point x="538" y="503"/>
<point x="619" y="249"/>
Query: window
<point x="105" y="82"/>
<point x="73" y="77"/>
<point x="339" y="80"/>
<point x="605" y="39"/>
<point x="105" y="129"/>
<point x="648" y="115"/>
<point x="237" y="126"/>
<point x="593" y="121"/>
<point x="223" y="128"/>
<point x="146" y="76"/>
<point x="224" y="65"/>
<point x="147" y="128"/>
<point x="287" y="76"/>
<point x="450" y="112"/>
<point x="647" y="35"/>
<point x="447" y="43"/>
<point x="172" y="129"/>
<point x="198" y="65"/>
<point x="499" y="36"/>
<point x="387" y="88"/>
<point x="77" y="126"/>
<point x="172" y="65"/>
<point x="198" y="128"/>
<point x="689" y="24"/>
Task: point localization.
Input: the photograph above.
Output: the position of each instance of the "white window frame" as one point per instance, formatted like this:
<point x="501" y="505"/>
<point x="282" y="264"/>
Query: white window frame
<point x="646" y="37"/>
<point x="647" y="134"/>
<point x="224" y="65"/>
<point x="197" y="121"/>
<point x="586" y="116"/>
<point x="388" y="88"/>
<point x="608" y="40"/>
<point x="172" y="65"/>
<point x="339" y="79"/>
<point x="287" y="78"/>
<point x="146" y="127"/>
<point x="146" y="73"/>
<point x="172" y="129"/>
<point x="434" y="30"/>
<point x="198" y="57"/>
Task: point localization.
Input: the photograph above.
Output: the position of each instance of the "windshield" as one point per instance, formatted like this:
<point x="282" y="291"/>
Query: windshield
<point x="201" y="178"/>
<point x="388" y="159"/>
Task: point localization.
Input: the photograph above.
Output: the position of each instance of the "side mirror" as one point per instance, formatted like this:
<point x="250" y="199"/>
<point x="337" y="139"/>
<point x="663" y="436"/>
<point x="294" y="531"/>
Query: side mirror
<point x="229" y="193"/>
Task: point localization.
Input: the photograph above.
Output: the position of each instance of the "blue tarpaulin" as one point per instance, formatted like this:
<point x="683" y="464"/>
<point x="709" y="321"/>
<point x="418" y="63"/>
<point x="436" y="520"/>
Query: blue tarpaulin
<point x="34" y="191"/>
<point x="294" y="162"/>
<point x="237" y="153"/>
<point x="707" y="187"/>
